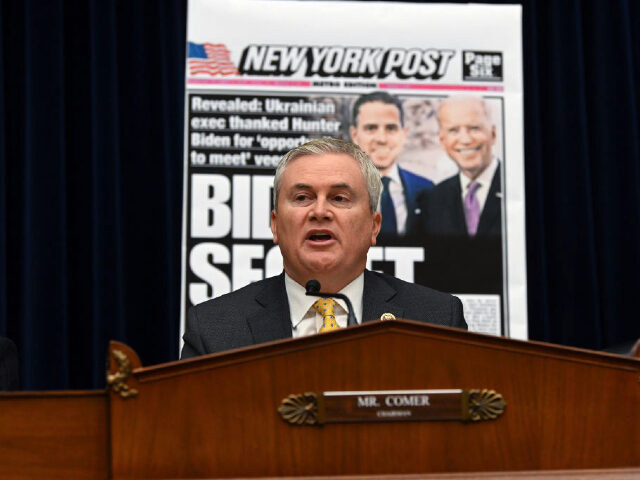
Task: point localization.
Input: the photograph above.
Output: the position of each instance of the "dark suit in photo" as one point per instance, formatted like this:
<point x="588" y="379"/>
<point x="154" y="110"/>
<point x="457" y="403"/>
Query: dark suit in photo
<point x="443" y="212"/>
<point x="454" y="261"/>
<point x="414" y="187"/>
<point x="259" y="312"/>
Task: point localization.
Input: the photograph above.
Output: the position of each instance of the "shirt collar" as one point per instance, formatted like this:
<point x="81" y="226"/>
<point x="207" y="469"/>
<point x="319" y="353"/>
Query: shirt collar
<point x="300" y="303"/>
<point x="394" y="174"/>
<point x="484" y="179"/>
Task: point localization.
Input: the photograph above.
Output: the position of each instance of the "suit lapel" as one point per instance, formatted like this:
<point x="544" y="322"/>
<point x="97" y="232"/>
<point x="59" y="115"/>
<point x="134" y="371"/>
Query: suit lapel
<point x="378" y="298"/>
<point x="273" y="322"/>
<point x="407" y="186"/>
<point x="409" y="200"/>
<point x="491" y="213"/>
<point x="454" y="212"/>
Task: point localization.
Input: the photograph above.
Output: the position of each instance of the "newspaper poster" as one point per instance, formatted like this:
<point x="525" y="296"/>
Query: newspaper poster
<point x="431" y="92"/>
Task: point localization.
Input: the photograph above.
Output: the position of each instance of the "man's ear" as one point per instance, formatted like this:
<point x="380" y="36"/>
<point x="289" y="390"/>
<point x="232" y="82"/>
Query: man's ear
<point x="377" y="224"/>
<point x="274" y="227"/>
<point x="353" y="132"/>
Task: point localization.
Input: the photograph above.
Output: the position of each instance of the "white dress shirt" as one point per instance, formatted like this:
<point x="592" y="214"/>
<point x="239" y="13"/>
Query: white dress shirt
<point x="484" y="179"/>
<point x="396" y="190"/>
<point x="305" y="320"/>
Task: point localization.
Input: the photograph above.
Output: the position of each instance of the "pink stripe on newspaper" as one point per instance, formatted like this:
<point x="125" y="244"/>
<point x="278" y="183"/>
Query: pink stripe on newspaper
<point x="240" y="81"/>
<point x="421" y="86"/>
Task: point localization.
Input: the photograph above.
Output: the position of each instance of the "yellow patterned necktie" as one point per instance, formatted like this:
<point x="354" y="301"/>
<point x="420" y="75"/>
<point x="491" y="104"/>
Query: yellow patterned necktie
<point x="325" y="306"/>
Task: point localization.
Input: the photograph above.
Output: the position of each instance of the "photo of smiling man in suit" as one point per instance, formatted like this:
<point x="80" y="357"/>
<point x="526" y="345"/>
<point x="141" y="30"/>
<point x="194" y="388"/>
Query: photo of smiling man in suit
<point x="468" y="203"/>
<point x="462" y="215"/>
<point x="378" y="127"/>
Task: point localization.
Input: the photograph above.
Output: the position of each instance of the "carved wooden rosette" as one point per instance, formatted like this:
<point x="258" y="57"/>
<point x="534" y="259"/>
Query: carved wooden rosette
<point x="300" y="409"/>
<point x="484" y="405"/>
<point x="117" y="381"/>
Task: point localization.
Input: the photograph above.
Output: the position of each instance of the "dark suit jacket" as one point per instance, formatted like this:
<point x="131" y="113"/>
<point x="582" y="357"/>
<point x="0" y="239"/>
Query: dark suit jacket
<point x="414" y="186"/>
<point x="8" y="365"/>
<point x="442" y="210"/>
<point x="259" y="312"/>
<point x="456" y="262"/>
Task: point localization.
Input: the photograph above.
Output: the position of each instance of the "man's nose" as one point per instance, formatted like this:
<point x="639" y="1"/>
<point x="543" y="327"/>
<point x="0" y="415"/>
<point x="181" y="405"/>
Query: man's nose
<point x="381" y="136"/>
<point x="321" y="208"/>
<point x="464" y="136"/>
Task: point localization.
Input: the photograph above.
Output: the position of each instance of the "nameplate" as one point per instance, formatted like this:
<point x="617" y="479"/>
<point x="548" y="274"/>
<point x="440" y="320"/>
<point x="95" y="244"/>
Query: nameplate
<point x="392" y="406"/>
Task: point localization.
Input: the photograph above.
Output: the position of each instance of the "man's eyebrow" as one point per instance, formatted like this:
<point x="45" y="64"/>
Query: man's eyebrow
<point x="304" y="186"/>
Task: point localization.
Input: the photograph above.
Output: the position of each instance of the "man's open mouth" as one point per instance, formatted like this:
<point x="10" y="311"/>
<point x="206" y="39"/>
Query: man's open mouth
<point x="319" y="236"/>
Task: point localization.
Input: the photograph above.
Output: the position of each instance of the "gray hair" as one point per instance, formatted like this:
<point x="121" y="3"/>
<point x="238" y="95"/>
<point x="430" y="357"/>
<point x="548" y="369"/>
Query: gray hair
<point x="333" y="145"/>
<point x="463" y="99"/>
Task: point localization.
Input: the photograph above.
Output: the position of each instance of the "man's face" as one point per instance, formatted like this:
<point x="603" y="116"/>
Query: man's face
<point x="467" y="135"/>
<point x="378" y="132"/>
<point x="323" y="223"/>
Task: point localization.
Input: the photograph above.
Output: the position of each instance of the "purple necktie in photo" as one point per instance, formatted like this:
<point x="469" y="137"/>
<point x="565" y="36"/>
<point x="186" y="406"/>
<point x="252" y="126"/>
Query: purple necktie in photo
<point x="472" y="208"/>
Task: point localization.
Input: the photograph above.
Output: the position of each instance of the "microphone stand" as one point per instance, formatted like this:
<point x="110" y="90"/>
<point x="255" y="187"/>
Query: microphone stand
<point x="313" y="290"/>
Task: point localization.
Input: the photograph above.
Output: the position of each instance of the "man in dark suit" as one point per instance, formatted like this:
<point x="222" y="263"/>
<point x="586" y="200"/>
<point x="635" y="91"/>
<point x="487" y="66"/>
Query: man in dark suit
<point x="444" y="211"/>
<point x="8" y="365"/>
<point x="378" y="128"/>
<point x="324" y="220"/>
<point x="462" y="215"/>
<point x="470" y="202"/>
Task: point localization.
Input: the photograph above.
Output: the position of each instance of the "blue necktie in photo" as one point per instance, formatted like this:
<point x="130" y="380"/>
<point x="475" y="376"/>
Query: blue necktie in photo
<point x="389" y="224"/>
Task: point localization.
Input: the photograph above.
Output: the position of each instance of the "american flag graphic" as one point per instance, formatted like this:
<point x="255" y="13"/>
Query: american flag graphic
<point x="211" y="59"/>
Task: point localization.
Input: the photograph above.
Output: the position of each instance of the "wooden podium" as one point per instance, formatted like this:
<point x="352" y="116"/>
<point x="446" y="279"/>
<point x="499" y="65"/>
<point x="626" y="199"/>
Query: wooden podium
<point x="218" y="416"/>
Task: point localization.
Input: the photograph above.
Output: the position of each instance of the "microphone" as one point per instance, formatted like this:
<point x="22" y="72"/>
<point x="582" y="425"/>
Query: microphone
<point x="313" y="290"/>
<point x="312" y="286"/>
